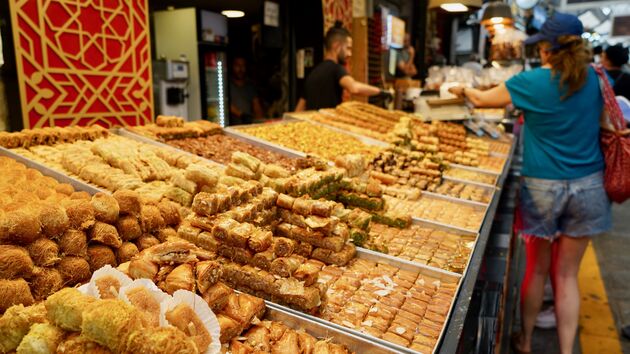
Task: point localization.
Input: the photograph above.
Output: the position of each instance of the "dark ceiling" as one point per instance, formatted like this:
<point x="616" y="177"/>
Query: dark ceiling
<point x="250" y="7"/>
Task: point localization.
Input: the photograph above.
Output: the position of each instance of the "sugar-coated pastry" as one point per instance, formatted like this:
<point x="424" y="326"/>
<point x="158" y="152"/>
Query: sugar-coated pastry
<point x="110" y="323"/>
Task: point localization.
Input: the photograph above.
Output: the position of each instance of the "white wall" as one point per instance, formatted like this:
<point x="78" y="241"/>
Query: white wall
<point x="176" y="34"/>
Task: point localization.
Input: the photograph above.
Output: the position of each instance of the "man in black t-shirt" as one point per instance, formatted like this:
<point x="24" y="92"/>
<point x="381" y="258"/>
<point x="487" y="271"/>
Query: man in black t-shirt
<point x="613" y="59"/>
<point x="324" y="86"/>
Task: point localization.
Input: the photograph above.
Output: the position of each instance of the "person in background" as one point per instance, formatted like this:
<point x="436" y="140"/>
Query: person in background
<point x="405" y="66"/>
<point x="244" y="102"/>
<point x="325" y="84"/>
<point x="613" y="59"/>
<point x="562" y="199"/>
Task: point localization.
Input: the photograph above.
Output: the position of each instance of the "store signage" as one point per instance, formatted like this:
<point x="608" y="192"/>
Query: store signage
<point x="272" y="13"/>
<point x="395" y="31"/>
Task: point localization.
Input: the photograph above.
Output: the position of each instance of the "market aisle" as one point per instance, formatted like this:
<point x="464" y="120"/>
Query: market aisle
<point x="613" y="258"/>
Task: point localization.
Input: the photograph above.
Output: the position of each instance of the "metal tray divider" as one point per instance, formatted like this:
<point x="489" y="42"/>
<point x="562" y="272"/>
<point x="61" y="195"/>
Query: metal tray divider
<point x="477" y="169"/>
<point x="356" y="344"/>
<point x="403" y="265"/>
<point x="459" y="180"/>
<point x="457" y="200"/>
<point x="455" y="322"/>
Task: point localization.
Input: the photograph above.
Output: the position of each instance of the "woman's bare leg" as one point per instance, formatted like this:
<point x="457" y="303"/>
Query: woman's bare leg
<point x="538" y="254"/>
<point x="567" y="293"/>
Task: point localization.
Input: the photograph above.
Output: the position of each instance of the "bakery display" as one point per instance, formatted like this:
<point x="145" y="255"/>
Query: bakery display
<point x="403" y="307"/>
<point x="168" y="128"/>
<point x="465" y="191"/>
<point x="116" y="163"/>
<point x="311" y="139"/>
<point x="50" y="136"/>
<point x="291" y="231"/>
<point x="473" y="176"/>
<point x="426" y="245"/>
<point x="52" y="236"/>
<point x="440" y="210"/>
<point x="220" y="147"/>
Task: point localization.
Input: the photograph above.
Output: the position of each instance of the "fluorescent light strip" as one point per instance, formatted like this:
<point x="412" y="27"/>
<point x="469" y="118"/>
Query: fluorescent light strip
<point x="454" y="7"/>
<point x="220" y="84"/>
<point x="232" y="13"/>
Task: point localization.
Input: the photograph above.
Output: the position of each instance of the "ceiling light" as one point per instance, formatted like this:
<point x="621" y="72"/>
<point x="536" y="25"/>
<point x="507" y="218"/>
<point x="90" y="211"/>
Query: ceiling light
<point x="497" y="12"/>
<point x="232" y="13"/>
<point x="454" y="7"/>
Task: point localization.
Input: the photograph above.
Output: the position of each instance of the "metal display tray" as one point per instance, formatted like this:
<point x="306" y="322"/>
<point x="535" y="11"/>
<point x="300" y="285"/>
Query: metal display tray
<point x="363" y="138"/>
<point x="377" y="257"/>
<point x="61" y="177"/>
<point x="353" y="342"/>
<point x="143" y="139"/>
<point x="476" y="205"/>
<point x="457" y="319"/>
<point x="237" y="129"/>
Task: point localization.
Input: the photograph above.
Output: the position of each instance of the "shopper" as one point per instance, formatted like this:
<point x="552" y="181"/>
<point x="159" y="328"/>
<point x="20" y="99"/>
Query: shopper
<point x="613" y="59"/>
<point x="244" y="102"/>
<point x="324" y="86"/>
<point x="562" y="193"/>
<point x="405" y="66"/>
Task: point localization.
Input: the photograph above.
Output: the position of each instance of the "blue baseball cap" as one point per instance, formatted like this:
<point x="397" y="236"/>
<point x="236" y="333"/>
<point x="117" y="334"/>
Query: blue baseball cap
<point x="559" y="24"/>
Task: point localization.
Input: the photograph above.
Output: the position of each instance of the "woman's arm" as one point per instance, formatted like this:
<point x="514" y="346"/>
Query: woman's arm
<point x="497" y="97"/>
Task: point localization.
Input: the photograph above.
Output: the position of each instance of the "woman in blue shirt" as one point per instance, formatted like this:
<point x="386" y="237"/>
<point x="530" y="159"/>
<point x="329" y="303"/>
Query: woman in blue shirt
<point x="563" y="200"/>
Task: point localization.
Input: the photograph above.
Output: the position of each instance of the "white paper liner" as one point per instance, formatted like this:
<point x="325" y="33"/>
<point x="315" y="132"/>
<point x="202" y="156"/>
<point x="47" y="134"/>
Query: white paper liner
<point x="202" y="310"/>
<point x="84" y="289"/>
<point x="106" y="270"/>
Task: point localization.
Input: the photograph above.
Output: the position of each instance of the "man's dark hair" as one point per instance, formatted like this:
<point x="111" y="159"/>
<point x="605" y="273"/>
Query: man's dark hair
<point x="617" y="54"/>
<point x="335" y="34"/>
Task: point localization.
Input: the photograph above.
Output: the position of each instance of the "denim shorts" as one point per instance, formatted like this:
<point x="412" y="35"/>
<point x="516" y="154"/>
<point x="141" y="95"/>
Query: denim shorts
<point x="576" y="207"/>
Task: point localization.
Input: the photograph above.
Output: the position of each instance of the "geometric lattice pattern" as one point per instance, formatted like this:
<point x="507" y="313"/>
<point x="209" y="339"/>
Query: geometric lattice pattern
<point x="337" y="10"/>
<point x="83" y="62"/>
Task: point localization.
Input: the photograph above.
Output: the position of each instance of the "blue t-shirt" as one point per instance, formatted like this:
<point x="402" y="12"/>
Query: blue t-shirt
<point x="561" y="137"/>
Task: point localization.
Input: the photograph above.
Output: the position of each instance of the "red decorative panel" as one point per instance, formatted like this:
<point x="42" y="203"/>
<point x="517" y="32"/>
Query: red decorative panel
<point x="337" y="10"/>
<point x="83" y="62"/>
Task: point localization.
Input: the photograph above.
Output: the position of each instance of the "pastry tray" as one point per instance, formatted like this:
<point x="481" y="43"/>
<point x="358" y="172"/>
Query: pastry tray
<point x="476" y="205"/>
<point x="357" y="344"/>
<point x="404" y="265"/>
<point x="365" y="139"/>
<point x="238" y="129"/>
<point x="143" y="139"/>
<point x="61" y="177"/>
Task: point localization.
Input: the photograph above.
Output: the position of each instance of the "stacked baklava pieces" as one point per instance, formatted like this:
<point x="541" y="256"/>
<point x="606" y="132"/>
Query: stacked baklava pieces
<point x="180" y="265"/>
<point x="270" y="244"/>
<point x="53" y="236"/>
<point x="170" y="127"/>
<point x="116" y="163"/>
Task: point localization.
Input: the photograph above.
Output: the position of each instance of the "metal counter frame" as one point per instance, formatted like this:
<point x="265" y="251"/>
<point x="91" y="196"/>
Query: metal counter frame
<point x="455" y="324"/>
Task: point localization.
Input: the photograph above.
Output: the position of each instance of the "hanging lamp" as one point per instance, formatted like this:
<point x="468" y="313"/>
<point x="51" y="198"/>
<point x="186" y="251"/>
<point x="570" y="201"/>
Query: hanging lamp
<point x="497" y="13"/>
